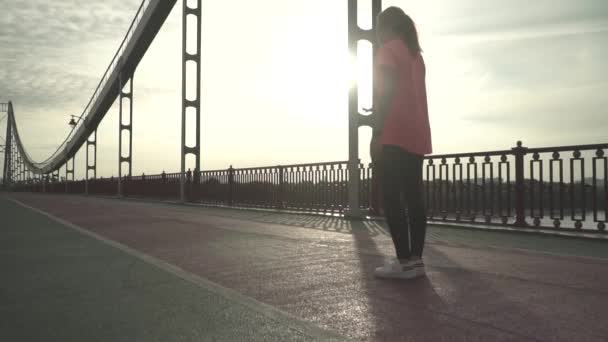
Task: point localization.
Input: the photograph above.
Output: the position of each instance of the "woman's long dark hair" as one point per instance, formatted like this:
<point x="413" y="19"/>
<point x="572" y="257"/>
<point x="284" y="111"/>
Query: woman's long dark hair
<point x="395" y="19"/>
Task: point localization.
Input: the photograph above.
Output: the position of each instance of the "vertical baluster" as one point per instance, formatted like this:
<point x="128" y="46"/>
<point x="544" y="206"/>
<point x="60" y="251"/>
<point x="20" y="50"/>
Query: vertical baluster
<point x="322" y="187"/>
<point x="236" y="188"/>
<point x="577" y="221"/>
<point x="556" y="219"/>
<point x="427" y="188"/>
<point x="458" y="188"/>
<point x="263" y="188"/>
<point x="314" y="187"/>
<point x="332" y="189"/>
<point x="241" y="186"/>
<point x="272" y="200"/>
<point x="299" y="188"/>
<point x="303" y="188"/>
<point x="265" y="172"/>
<point x="223" y="191"/>
<point x="487" y="189"/>
<point x="599" y="156"/>
<point x="255" y="187"/>
<point x="274" y="186"/>
<point x="537" y="219"/>
<point x="501" y="190"/>
<point x="431" y="196"/>
<point x="311" y="177"/>
<point x="341" y="182"/>
<point x="602" y="225"/>
<point x="443" y="189"/>
<point x="472" y="189"/>
<point x="362" y="187"/>
<point x="246" y="186"/>
<point x="288" y="193"/>
<point x="305" y="204"/>
<point x="508" y="189"/>
<point x="368" y="187"/>
<point x="307" y="174"/>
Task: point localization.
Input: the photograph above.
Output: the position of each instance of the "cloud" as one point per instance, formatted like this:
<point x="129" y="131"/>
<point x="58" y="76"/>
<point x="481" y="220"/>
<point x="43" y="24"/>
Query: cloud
<point x="44" y="63"/>
<point x="474" y="17"/>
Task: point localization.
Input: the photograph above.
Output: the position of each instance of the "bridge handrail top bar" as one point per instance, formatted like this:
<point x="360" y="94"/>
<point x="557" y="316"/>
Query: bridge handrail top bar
<point x="469" y="154"/>
<point x="292" y="165"/>
<point x="527" y="150"/>
<point x="568" y="148"/>
<point x="102" y="81"/>
<point x="276" y="166"/>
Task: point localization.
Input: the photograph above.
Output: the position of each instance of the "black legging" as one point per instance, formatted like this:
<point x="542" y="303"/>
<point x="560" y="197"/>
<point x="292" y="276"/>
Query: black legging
<point x="403" y="187"/>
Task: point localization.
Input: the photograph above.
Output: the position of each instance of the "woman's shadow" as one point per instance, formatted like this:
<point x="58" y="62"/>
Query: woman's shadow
<point x="450" y="303"/>
<point x="393" y="306"/>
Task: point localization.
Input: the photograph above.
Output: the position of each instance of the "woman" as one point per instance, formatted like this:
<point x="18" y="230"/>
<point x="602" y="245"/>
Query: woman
<point x="401" y="138"/>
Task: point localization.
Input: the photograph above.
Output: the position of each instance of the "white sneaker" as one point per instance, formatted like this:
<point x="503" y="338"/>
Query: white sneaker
<point x="396" y="270"/>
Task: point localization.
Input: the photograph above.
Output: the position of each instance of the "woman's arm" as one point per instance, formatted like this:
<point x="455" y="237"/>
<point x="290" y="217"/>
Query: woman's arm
<point x="384" y="95"/>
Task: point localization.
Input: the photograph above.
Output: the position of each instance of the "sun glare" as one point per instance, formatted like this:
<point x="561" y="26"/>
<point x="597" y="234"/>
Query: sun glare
<point x="317" y="74"/>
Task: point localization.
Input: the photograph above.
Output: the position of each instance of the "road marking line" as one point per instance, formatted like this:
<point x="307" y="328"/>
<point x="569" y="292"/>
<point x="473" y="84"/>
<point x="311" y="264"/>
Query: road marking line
<point x="272" y="312"/>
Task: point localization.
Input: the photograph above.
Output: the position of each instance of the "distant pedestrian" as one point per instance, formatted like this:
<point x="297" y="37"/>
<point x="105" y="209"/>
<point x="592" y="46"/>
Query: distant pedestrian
<point x="402" y="136"/>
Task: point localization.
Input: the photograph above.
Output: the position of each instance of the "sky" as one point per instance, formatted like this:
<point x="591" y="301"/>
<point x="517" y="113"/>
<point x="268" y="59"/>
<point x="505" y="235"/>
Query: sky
<point x="275" y="77"/>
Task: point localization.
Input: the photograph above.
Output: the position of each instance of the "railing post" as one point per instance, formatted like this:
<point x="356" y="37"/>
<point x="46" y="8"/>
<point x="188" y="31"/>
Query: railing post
<point x="196" y="182"/>
<point x="281" y="199"/>
<point x="163" y="177"/>
<point x="141" y="189"/>
<point x="520" y="215"/>
<point x="230" y="184"/>
<point x="189" y="186"/>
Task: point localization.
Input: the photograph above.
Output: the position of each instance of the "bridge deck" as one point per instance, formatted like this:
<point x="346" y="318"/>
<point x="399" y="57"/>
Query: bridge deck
<point x="481" y="286"/>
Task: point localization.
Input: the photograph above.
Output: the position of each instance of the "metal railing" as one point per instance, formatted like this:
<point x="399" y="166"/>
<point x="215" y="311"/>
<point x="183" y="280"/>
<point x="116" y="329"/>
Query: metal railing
<point x="548" y="187"/>
<point x="559" y="188"/>
<point x="319" y="187"/>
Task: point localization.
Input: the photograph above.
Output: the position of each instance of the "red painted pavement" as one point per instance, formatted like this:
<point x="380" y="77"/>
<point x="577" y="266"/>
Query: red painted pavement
<point x="325" y="277"/>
